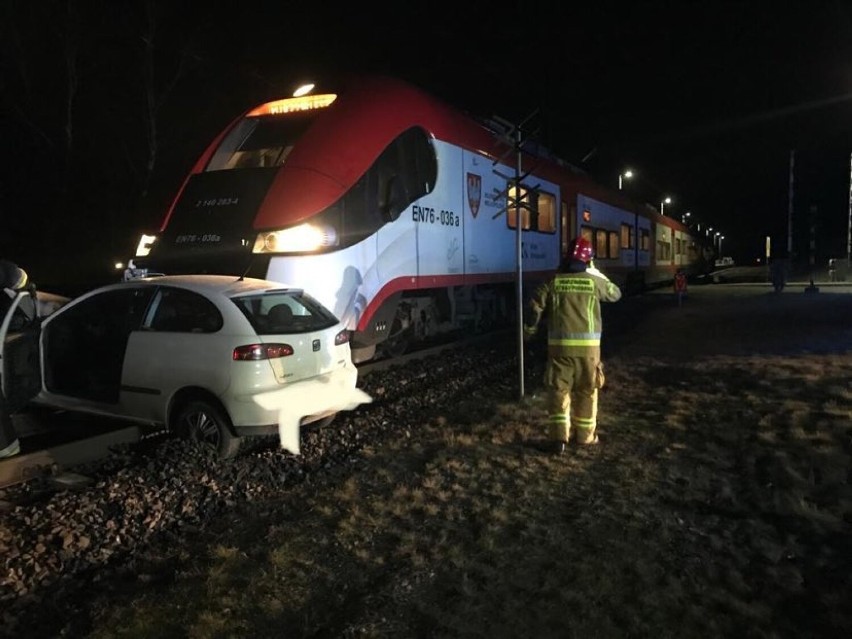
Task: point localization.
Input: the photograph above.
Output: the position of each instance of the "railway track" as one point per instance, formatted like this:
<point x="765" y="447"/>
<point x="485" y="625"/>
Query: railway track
<point x="54" y="453"/>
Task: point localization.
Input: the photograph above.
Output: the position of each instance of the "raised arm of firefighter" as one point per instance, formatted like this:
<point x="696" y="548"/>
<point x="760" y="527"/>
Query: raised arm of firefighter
<point x="607" y="291"/>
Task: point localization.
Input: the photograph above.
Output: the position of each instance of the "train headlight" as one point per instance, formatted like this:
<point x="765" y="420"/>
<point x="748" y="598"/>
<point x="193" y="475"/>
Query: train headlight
<point x="145" y="244"/>
<point x="299" y="239"/>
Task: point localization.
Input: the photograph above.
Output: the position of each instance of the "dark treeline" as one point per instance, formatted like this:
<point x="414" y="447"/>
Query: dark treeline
<point x="105" y="106"/>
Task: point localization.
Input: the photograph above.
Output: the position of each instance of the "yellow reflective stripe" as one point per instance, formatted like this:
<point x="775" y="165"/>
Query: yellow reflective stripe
<point x="584" y="421"/>
<point x="574" y="335"/>
<point x="561" y="418"/>
<point x="574" y="342"/>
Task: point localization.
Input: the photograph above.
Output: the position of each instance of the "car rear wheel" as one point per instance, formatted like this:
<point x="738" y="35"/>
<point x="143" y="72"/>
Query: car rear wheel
<point x="202" y="422"/>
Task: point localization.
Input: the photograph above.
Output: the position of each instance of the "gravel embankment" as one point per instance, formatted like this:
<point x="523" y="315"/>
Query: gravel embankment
<point x="56" y="546"/>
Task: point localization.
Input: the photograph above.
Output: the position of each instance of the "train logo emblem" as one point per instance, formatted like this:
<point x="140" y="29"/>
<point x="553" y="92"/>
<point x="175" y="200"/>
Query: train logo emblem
<point x="474" y="192"/>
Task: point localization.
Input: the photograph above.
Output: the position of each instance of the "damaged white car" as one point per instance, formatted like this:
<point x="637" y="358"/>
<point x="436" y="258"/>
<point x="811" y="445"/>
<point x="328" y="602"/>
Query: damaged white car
<point x="213" y="358"/>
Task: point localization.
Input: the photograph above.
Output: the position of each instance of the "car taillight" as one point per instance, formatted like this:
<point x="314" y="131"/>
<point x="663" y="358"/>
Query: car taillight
<point x="342" y="337"/>
<point x="255" y="352"/>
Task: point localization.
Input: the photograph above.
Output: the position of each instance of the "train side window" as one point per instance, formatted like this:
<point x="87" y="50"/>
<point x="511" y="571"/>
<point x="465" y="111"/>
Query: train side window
<point x="613" y="249"/>
<point x="538" y="210"/>
<point x="626" y="236"/>
<point x="664" y="250"/>
<point x="546" y="213"/>
<point x="520" y="197"/>
<point x="601" y="248"/>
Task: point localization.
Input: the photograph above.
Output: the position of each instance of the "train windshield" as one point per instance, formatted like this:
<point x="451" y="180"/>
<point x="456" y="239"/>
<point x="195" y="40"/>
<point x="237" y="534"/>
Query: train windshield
<point x="260" y="142"/>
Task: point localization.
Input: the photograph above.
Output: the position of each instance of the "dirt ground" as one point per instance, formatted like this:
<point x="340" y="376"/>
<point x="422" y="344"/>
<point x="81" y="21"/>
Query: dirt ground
<point x="718" y="503"/>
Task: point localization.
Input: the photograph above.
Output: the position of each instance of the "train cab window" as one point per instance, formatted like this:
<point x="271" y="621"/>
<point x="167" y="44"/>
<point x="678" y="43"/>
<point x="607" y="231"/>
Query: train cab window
<point x="538" y="210"/>
<point x="259" y="142"/>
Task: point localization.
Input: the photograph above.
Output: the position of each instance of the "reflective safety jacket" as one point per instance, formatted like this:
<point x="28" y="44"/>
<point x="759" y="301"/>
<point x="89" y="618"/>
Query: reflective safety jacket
<point x="574" y="312"/>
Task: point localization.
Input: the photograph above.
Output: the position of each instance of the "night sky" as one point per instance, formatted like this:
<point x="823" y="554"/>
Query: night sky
<point x="703" y="100"/>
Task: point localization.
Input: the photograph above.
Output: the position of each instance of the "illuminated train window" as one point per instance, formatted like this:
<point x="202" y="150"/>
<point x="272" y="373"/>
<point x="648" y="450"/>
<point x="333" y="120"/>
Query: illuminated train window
<point x="607" y="244"/>
<point x="626" y="236"/>
<point x="538" y="210"/>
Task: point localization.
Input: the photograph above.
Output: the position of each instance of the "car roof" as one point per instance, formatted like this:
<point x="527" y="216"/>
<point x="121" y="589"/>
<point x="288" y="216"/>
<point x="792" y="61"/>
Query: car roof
<point x="228" y="285"/>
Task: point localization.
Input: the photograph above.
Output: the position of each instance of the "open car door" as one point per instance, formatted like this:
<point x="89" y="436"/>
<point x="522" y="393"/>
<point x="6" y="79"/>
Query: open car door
<point x="20" y="364"/>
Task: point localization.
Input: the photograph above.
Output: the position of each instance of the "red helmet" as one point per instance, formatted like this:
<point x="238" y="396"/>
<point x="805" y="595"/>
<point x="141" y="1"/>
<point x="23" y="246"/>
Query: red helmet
<point x="581" y="249"/>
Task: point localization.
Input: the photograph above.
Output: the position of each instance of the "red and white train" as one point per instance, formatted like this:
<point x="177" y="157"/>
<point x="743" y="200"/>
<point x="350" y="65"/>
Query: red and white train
<point x="390" y="206"/>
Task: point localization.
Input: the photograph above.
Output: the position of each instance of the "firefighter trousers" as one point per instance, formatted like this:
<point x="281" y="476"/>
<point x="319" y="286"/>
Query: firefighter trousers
<point x="572" y="384"/>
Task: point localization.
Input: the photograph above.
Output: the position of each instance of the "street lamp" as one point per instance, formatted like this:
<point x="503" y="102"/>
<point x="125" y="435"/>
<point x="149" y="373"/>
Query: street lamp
<point x="721" y="237"/>
<point x="668" y="200"/>
<point x="627" y="174"/>
<point x="685" y="216"/>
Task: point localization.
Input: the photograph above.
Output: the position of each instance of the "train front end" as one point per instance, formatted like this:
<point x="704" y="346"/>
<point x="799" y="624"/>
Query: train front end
<point x="212" y="224"/>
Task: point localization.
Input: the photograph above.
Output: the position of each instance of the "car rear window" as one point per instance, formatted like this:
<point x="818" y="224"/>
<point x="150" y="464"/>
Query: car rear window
<point x="291" y="311"/>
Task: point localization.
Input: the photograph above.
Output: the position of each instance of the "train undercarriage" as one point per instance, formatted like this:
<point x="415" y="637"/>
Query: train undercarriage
<point x="418" y="317"/>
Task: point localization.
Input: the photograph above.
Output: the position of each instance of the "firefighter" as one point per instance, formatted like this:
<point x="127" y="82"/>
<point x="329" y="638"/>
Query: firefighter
<point x="12" y="279"/>
<point x="574" y="370"/>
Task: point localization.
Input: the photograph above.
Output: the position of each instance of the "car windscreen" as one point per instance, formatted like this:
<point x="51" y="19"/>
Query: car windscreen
<point x="277" y="312"/>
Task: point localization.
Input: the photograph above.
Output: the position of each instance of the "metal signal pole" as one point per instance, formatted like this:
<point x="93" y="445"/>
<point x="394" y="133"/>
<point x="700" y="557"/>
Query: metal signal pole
<point x="519" y="203"/>
<point x="519" y="256"/>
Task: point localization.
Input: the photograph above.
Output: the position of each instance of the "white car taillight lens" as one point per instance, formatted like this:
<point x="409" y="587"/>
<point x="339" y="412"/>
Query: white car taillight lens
<point x="256" y="352"/>
<point x="342" y="337"/>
